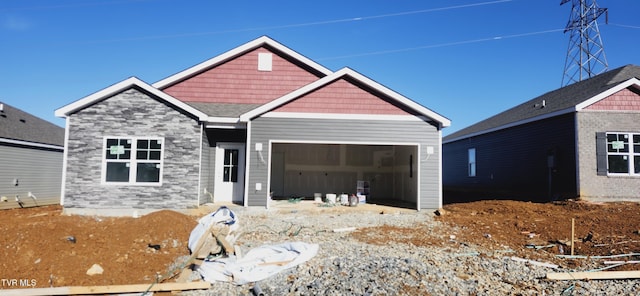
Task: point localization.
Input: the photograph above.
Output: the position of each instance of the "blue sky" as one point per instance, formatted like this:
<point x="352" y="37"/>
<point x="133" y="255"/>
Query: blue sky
<point x="465" y="59"/>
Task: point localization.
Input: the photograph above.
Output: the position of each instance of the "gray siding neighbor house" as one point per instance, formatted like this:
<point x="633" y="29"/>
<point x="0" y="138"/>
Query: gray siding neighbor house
<point x="31" y="151"/>
<point x="579" y="141"/>
<point x="252" y="124"/>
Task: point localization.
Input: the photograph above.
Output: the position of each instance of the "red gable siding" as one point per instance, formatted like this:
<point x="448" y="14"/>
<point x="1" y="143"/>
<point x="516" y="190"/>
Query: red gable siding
<point x="343" y="97"/>
<point x="239" y="81"/>
<point x="624" y="100"/>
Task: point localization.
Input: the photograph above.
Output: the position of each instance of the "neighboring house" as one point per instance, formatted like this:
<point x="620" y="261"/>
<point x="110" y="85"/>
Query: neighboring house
<point x="256" y="122"/>
<point x="579" y="141"/>
<point x="31" y="151"/>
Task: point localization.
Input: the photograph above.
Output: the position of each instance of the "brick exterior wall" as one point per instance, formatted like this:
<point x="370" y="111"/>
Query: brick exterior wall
<point x="596" y="187"/>
<point x="132" y="113"/>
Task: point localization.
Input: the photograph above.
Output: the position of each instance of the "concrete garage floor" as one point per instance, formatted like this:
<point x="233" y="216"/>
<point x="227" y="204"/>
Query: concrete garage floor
<point x="286" y="206"/>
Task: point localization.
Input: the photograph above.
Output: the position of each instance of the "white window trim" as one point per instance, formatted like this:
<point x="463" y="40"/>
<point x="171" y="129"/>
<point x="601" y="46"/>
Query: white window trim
<point x="631" y="154"/>
<point x="133" y="162"/>
<point x="470" y="163"/>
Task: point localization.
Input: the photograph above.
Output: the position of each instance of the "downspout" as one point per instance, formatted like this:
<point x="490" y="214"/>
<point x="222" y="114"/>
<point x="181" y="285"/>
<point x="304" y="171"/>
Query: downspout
<point x="247" y="165"/>
<point x="440" y="156"/>
<point x="64" y="160"/>
<point x="202" y="135"/>
<point x="418" y="174"/>
<point x="576" y="141"/>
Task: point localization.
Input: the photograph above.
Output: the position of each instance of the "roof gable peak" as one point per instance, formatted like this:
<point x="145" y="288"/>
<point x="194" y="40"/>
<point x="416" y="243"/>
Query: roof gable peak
<point x="340" y="74"/>
<point x="263" y="41"/>
<point x="121" y="86"/>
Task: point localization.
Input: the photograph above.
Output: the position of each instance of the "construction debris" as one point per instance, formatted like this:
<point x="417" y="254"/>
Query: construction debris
<point x="594" y="275"/>
<point x="533" y="262"/>
<point x="258" y="264"/>
<point x="213" y="241"/>
<point x="119" y="289"/>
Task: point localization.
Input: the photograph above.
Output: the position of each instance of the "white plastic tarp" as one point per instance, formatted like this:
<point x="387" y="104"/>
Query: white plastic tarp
<point x="223" y="215"/>
<point x="258" y="264"/>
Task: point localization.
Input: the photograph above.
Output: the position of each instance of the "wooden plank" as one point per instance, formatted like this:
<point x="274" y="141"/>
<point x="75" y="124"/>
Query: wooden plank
<point x="595" y="275"/>
<point x="80" y="290"/>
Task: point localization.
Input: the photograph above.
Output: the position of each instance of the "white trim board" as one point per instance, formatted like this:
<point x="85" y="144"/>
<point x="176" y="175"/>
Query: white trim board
<point x="31" y="144"/>
<point x="344" y="116"/>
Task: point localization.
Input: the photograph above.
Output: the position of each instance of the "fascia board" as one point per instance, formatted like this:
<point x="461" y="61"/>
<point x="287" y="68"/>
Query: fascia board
<point x="264" y="40"/>
<point x="214" y="119"/>
<point x="120" y="86"/>
<point x="607" y="93"/>
<point x="31" y="144"/>
<point x="444" y="122"/>
<point x="92" y="98"/>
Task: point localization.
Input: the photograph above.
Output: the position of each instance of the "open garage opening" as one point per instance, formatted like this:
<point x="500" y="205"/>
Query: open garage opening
<point x="385" y="174"/>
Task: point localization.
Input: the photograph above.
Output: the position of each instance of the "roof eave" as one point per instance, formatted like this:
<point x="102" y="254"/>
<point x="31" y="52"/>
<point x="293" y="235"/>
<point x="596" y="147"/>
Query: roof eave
<point x="578" y="107"/>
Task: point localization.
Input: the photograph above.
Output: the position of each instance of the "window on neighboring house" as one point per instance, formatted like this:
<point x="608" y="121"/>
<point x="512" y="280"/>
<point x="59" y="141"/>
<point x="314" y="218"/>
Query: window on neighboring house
<point x="472" y="162"/>
<point x="135" y="161"/>
<point x="618" y="153"/>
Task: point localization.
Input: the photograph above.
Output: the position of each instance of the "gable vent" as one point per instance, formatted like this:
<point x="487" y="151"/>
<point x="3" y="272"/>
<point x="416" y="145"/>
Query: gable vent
<point x="265" y="61"/>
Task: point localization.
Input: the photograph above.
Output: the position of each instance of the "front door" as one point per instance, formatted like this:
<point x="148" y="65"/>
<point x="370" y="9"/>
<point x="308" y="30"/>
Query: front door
<point x="229" y="178"/>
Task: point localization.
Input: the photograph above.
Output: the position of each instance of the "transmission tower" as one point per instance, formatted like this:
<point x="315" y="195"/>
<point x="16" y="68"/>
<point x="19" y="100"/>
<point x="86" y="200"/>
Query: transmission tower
<point x="585" y="56"/>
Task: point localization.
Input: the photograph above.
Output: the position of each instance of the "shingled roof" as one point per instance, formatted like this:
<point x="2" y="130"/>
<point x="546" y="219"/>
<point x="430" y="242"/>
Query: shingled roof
<point x="559" y="101"/>
<point x="17" y="126"/>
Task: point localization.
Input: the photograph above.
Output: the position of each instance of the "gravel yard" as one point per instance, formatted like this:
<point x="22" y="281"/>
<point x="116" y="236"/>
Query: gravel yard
<point x="400" y="252"/>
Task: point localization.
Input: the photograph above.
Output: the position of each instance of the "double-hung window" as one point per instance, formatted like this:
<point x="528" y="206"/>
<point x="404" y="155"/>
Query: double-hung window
<point x="623" y="154"/>
<point x="133" y="161"/>
<point x="471" y="162"/>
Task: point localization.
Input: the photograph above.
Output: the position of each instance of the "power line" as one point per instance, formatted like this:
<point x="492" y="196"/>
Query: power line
<point x="624" y="26"/>
<point x="441" y="45"/>
<point x="307" y="24"/>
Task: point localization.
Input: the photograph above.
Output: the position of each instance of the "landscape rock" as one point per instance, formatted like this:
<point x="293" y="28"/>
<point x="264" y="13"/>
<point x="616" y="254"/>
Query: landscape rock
<point x="95" y="269"/>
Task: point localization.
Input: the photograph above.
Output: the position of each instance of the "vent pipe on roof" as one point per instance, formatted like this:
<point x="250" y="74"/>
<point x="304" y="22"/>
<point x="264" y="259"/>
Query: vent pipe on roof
<point x="1" y="107"/>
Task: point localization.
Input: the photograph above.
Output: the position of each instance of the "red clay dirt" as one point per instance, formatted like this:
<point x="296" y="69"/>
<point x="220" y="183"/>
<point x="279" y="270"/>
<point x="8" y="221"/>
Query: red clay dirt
<point x="536" y="231"/>
<point x="36" y="246"/>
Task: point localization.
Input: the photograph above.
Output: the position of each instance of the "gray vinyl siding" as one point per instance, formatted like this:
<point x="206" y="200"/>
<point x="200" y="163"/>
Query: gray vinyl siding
<point x="38" y="171"/>
<point x="132" y="113"/>
<point x="593" y="186"/>
<point x="512" y="163"/>
<point x="262" y="130"/>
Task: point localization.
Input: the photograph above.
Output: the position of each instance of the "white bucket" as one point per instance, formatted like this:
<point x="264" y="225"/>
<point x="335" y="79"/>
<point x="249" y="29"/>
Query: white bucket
<point x="344" y="199"/>
<point x="317" y="197"/>
<point x="331" y="198"/>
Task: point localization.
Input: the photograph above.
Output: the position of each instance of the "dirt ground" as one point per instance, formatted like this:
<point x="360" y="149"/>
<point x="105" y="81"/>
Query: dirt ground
<point x="536" y="231"/>
<point x="44" y="248"/>
<point x="48" y="249"/>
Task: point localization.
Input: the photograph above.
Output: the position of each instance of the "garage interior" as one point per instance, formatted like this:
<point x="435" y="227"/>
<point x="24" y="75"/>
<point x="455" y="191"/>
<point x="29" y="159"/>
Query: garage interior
<point x="386" y="174"/>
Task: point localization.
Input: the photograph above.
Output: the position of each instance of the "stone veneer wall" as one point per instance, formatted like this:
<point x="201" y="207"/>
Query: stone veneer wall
<point x="132" y="113"/>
